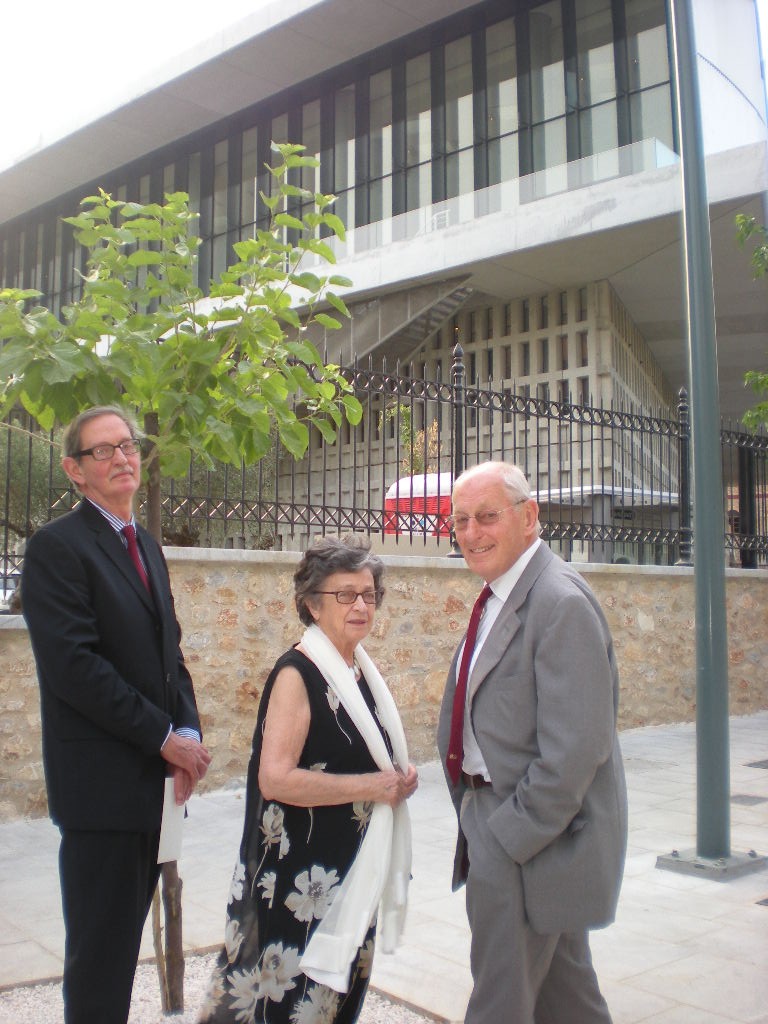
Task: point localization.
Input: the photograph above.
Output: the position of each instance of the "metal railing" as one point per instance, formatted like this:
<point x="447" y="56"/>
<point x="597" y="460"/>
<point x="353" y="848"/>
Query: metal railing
<point x="612" y="484"/>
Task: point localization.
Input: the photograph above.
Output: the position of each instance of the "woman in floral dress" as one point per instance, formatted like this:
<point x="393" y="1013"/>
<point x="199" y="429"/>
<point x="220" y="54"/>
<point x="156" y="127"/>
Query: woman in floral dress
<point x="313" y="784"/>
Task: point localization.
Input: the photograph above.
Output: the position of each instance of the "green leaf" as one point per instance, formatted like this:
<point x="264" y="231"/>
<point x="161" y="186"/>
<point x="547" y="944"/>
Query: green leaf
<point x="336" y="224"/>
<point x="65" y="362"/>
<point x="310" y="282"/>
<point x="325" y="428"/>
<point x="295" y="437"/>
<point x="329" y="322"/>
<point x="285" y="220"/>
<point x="352" y="408"/>
<point x="337" y="304"/>
<point x="145" y="258"/>
<point x="305" y="351"/>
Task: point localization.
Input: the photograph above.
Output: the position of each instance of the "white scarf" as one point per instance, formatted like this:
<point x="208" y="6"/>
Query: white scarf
<point x="382" y="868"/>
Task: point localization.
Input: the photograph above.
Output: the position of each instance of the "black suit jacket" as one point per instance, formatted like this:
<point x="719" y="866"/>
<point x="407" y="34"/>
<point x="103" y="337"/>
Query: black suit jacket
<point x="111" y="672"/>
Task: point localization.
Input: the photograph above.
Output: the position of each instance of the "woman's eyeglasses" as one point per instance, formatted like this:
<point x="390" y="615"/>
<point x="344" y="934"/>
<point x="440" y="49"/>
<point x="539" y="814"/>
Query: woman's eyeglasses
<point x="350" y="596"/>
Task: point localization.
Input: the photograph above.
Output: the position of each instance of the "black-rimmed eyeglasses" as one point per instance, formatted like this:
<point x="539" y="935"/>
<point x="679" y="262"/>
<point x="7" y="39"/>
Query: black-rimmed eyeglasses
<point x="103" y="452"/>
<point x="350" y="596"/>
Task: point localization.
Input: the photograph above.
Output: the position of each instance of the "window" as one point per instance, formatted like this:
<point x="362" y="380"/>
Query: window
<point x="508" y="405"/>
<point x="459" y="122"/>
<point x="489" y="323"/>
<point x="507" y="356"/>
<point x="596" y="77"/>
<point x="547" y="86"/>
<point x="525" y="316"/>
<point x="344" y="153"/>
<point x="489" y="363"/>
<point x="582" y="385"/>
<point x="507" y="319"/>
<point x="563" y="301"/>
<point x="380" y="146"/>
<point x="472" y="327"/>
<point x="563" y="343"/>
<point x="418" y="132"/>
<point x="249" y="187"/>
<point x="544" y="312"/>
<point x="502" y="115"/>
<point x="543" y="355"/>
<point x="525" y="359"/>
<point x="583" y="337"/>
<point x="582" y="304"/>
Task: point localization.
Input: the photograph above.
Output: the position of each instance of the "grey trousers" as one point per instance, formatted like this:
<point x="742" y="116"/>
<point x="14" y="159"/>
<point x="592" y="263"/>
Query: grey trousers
<point x="520" y="977"/>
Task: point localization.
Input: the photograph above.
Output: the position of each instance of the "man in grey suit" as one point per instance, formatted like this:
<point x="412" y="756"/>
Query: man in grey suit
<point x="533" y="765"/>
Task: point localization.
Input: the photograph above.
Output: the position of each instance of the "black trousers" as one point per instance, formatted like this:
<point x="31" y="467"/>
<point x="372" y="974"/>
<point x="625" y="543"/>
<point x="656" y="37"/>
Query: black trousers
<point x="107" y="881"/>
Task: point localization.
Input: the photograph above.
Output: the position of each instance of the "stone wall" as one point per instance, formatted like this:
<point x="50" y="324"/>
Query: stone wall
<point x="237" y="613"/>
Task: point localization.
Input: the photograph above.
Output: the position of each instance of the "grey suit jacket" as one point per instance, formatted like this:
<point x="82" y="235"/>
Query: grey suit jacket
<point x="544" y="697"/>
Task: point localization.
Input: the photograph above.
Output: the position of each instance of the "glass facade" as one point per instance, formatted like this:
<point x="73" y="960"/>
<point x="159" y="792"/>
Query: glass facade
<point x="470" y="102"/>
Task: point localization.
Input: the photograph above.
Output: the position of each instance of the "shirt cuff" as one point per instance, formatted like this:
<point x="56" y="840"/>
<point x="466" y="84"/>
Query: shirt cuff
<point x="188" y="733"/>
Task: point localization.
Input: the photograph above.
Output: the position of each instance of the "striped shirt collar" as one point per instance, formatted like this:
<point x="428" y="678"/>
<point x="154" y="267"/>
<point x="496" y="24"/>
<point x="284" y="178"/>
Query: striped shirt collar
<point x="114" y="521"/>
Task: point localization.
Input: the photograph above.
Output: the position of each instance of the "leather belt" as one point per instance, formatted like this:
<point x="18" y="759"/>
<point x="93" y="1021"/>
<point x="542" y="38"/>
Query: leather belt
<point x="475" y="781"/>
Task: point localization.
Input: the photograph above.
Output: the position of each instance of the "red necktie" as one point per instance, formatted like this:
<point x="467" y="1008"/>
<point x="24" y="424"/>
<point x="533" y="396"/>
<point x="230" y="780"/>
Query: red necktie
<point x="456" y="742"/>
<point x="129" y="532"/>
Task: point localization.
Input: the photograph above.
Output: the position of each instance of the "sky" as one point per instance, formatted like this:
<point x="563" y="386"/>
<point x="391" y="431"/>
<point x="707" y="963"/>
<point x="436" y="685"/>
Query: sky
<point x="64" y="64"/>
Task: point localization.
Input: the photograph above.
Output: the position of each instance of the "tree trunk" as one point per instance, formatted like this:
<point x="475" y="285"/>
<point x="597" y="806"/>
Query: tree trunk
<point x="169" y="956"/>
<point x="154" y="498"/>
<point x="174" y="951"/>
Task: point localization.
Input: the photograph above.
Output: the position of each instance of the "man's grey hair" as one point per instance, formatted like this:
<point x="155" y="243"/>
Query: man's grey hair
<point x="72" y="432"/>
<point x="510" y="476"/>
<point x="329" y="555"/>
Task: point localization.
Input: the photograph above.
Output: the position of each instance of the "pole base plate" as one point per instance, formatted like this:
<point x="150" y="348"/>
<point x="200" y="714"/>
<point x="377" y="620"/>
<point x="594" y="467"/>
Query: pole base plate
<point x="718" y="869"/>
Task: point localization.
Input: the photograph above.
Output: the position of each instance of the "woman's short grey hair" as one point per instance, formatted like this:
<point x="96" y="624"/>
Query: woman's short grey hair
<point x="72" y="433"/>
<point x="327" y="556"/>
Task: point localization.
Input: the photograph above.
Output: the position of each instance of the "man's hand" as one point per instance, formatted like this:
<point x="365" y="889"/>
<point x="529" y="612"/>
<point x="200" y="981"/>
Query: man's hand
<point x="190" y="762"/>
<point x="183" y="785"/>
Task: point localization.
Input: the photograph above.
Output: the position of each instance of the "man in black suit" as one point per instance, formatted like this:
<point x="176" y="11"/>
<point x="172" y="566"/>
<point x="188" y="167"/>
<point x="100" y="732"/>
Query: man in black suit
<point x="118" y="709"/>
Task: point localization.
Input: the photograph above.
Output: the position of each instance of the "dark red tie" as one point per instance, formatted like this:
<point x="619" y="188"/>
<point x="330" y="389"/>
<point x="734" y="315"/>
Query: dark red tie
<point x="129" y="532"/>
<point x="456" y="742"/>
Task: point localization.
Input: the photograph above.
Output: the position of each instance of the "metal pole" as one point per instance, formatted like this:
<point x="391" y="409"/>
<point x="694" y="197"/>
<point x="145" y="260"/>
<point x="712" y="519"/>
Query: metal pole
<point x="713" y="783"/>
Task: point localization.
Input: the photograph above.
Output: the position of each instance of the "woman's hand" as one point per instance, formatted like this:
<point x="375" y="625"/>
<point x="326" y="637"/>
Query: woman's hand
<point x="396" y="786"/>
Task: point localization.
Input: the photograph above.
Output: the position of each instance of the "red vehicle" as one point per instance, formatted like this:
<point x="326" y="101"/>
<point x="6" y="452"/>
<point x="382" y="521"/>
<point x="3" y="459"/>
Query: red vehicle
<point x="419" y="504"/>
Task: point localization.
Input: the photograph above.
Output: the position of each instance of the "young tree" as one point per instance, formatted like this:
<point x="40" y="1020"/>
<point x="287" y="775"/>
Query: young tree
<point x="748" y="231"/>
<point x="209" y="377"/>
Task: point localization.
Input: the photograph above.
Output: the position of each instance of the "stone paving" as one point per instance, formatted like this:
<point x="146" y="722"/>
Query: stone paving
<point x="684" y="949"/>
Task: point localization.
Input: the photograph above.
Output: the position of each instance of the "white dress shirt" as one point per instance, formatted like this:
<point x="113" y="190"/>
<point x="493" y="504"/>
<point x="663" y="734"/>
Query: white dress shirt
<point x="501" y="589"/>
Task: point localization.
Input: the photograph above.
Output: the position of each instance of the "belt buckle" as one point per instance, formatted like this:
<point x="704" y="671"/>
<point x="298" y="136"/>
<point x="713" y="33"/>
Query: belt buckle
<point x="475" y="782"/>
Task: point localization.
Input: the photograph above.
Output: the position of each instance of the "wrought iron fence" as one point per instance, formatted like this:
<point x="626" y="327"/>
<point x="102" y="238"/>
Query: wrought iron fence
<point x="612" y="484"/>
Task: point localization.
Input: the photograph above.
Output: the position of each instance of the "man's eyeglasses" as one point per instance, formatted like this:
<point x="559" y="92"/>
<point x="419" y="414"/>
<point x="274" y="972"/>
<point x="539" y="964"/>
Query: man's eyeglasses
<point x="489" y="517"/>
<point x="103" y="452"/>
<point x="350" y="596"/>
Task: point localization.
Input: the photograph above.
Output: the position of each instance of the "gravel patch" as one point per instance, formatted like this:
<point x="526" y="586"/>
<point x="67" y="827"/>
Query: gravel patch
<point x="42" y="1004"/>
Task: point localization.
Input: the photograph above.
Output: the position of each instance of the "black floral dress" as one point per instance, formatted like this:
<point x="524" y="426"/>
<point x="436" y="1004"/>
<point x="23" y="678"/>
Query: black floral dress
<point x="292" y="861"/>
